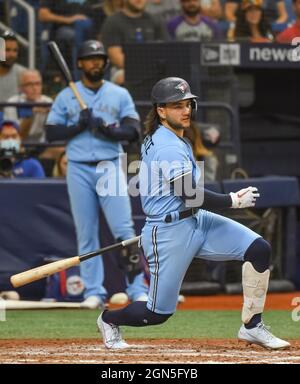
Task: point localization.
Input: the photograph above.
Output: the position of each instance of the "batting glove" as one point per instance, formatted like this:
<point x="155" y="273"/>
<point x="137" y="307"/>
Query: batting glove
<point x="244" y="198"/>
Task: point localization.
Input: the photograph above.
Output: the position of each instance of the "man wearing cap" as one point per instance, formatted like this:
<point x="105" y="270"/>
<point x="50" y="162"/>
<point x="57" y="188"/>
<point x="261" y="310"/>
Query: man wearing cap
<point x="10" y="70"/>
<point x="13" y="162"/>
<point x="94" y="153"/>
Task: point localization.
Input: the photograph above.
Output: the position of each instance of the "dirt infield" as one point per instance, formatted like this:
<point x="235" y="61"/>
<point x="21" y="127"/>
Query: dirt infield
<point x="161" y="351"/>
<point x="158" y="351"/>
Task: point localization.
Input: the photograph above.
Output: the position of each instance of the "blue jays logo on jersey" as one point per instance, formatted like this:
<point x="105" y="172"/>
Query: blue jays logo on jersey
<point x="182" y="87"/>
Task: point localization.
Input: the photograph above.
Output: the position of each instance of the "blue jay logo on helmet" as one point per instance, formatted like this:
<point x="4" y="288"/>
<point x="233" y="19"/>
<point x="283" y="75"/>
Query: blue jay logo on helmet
<point x="182" y="87"/>
<point x="96" y="45"/>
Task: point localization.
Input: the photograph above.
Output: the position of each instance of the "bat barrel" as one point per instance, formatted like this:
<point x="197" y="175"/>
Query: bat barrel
<point x="38" y="273"/>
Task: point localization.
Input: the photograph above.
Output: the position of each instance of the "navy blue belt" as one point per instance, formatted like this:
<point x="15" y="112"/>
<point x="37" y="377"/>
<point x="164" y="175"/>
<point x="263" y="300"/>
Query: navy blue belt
<point x="182" y="214"/>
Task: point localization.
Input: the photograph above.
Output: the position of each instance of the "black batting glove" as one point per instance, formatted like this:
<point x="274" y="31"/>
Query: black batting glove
<point x="131" y="262"/>
<point x="85" y="117"/>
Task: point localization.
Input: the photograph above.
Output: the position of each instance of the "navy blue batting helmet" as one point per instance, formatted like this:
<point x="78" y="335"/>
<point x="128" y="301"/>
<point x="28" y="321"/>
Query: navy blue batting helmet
<point x="170" y="90"/>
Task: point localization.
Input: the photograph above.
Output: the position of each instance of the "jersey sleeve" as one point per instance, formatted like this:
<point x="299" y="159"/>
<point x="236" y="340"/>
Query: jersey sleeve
<point x="58" y="112"/>
<point x="127" y="107"/>
<point x="174" y="163"/>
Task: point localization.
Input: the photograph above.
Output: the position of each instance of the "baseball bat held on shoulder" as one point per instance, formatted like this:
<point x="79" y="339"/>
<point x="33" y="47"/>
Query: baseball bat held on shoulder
<point x="64" y="69"/>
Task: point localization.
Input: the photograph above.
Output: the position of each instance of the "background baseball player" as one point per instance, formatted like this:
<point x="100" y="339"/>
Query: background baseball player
<point x="173" y="235"/>
<point x="93" y="135"/>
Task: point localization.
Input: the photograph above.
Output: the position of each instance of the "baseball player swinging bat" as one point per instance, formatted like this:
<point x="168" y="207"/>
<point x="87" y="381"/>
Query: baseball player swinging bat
<point x="60" y="61"/>
<point x="38" y="273"/>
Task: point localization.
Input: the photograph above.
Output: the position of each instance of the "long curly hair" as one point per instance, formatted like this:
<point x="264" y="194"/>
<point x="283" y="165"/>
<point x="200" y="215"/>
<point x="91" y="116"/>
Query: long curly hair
<point x="151" y="122"/>
<point x="242" y="29"/>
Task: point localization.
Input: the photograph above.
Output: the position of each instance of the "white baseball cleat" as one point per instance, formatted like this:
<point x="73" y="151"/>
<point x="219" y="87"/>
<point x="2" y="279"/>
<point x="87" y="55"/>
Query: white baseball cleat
<point x="112" y="337"/>
<point x="260" y="335"/>
<point x="93" y="302"/>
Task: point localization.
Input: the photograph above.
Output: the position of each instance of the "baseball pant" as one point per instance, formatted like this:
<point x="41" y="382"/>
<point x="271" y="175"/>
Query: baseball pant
<point x="171" y="247"/>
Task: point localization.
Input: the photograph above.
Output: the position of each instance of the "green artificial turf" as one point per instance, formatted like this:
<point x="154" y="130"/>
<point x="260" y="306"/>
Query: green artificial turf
<point x="64" y="324"/>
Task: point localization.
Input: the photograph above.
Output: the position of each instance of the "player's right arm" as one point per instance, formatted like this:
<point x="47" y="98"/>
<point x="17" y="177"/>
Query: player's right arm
<point x="178" y="171"/>
<point x="245" y="198"/>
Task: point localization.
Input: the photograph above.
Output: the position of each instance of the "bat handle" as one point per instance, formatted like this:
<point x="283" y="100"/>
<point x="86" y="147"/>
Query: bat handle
<point x="77" y="95"/>
<point x="134" y="240"/>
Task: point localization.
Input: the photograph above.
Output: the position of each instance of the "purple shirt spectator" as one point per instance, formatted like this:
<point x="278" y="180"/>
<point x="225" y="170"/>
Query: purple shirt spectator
<point x="204" y="30"/>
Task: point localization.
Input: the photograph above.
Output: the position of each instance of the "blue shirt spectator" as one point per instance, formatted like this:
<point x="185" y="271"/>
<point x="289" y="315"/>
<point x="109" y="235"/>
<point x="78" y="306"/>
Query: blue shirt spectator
<point x="13" y="163"/>
<point x="28" y="168"/>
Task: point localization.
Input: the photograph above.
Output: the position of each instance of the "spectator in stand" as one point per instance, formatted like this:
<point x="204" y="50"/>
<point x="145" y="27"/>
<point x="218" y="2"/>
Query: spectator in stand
<point x="252" y="24"/>
<point x="275" y="10"/>
<point x="131" y="24"/>
<point x="71" y="24"/>
<point x="192" y="25"/>
<point x="10" y="70"/>
<point x="163" y="9"/>
<point x="31" y="120"/>
<point x="60" y="166"/>
<point x="287" y="36"/>
<point x="14" y="162"/>
<point x="112" y="6"/>
<point x="212" y="9"/>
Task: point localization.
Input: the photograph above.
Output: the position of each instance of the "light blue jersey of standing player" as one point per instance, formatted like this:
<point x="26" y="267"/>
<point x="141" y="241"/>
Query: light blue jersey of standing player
<point x="93" y="151"/>
<point x="174" y="235"/>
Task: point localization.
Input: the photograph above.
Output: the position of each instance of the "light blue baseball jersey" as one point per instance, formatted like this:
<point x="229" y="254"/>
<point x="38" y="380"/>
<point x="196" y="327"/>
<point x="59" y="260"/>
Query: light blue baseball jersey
<point x="165" y="157"/>
<point x="111" y="102"/>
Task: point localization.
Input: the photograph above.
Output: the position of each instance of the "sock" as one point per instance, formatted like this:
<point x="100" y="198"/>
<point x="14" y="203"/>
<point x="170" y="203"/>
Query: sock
<point x="254" y="321"/>
<point x="135" y="314"/>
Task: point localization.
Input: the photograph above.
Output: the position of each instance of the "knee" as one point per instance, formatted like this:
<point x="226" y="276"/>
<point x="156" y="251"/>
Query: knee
<point x="259" y="254"/>
<point x="157" y="318"/>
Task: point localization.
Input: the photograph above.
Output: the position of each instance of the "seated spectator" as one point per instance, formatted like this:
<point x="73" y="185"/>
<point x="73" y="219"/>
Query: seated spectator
<point x="163" y="9"/>
<point x="10" y="70"/>
<point x="201" y="140"/>
<point x="251" y="23"/>
<point x="131" y="24"/>
<point x="70" y="24"/>
<point x="110" y="7"/>
<point x="60" y="166"/>
<point x="275" y="10"/>
<point x="293" y="31"/>
<point x="212" y="9"/>
<point x="31" y="120"/>
<point x="14" y="163"/>
<point x="192" y="25"/>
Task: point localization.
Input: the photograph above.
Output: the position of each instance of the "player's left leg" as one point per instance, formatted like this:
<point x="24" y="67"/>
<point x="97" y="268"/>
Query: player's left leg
<point x="237" y="242"/>
<point x="117" y="210"/>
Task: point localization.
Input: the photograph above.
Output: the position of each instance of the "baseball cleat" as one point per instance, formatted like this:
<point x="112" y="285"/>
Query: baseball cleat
<point x="112" y="337"/>
<point x="260" y="335"/>
<point x="93" y="302"/>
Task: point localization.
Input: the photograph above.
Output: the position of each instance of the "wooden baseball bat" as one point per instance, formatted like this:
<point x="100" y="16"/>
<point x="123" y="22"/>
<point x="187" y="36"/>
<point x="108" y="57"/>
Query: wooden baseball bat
<point x="38" y="273"/>
<point x="63" y="67"/>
